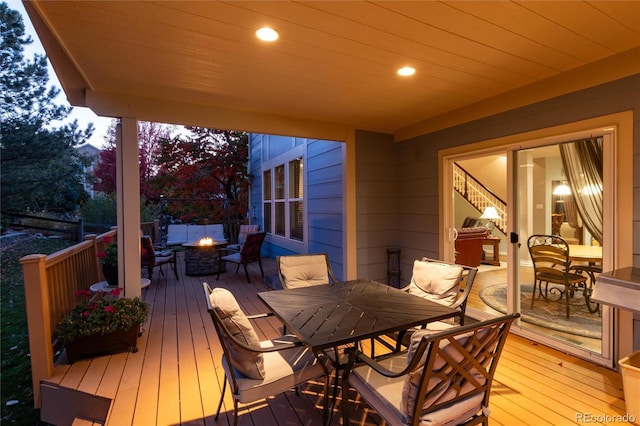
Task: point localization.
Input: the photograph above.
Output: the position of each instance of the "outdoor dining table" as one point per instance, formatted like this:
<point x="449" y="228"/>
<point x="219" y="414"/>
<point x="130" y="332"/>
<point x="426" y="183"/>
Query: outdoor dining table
<point x="328" y="316"/>
<point x="345" y="312"/>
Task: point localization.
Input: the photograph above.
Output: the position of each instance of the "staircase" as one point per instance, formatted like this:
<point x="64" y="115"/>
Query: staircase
<point x="479" y="196"/>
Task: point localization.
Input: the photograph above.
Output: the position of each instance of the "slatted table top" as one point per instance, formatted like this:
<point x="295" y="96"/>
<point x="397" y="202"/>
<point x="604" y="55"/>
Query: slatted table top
<point x="331" y="315"/>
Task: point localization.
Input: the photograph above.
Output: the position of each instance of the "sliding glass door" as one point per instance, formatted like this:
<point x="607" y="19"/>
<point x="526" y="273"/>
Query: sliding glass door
<point x="546" y="194"/>
<point x="550" y="207"/>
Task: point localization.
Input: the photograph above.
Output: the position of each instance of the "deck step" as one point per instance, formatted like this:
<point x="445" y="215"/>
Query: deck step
<point x="63" y="406"/>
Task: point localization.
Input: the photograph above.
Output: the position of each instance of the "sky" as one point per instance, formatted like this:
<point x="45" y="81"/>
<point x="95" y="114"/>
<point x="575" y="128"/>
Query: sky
<point x="84" y="116"/>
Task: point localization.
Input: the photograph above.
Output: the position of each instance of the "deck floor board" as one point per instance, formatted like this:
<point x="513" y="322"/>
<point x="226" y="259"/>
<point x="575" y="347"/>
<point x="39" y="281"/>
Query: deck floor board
<point x="176" y="376"/>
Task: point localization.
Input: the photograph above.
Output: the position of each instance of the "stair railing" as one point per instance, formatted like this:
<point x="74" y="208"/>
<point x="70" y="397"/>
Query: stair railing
<point x="479" y="196"/>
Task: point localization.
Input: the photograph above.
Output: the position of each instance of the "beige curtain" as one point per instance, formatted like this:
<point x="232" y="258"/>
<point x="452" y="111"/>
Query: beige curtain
<point x="570" y="210"/>
<point x="582" y="162"/>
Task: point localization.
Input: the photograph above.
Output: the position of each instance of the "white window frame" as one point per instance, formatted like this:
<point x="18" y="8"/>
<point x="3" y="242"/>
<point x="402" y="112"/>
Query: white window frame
<point x="284" y="160"/>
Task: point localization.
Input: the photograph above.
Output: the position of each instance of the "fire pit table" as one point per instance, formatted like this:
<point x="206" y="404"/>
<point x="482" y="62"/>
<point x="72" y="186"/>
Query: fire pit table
<point x="202" y="259"/>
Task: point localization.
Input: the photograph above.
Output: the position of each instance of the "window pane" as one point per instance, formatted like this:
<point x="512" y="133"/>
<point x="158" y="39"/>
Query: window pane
<point x="267" y="217"/>
<point x="295" y="178"/>
<point x="279" y="177"/>
<point x="297" y="220"/>
<point x="280" y="222"/>
<point x="266" y="182"/>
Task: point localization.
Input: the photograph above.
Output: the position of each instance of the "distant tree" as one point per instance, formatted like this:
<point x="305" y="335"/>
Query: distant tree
<point x="208" y="165"/>
<point x="149" y="136"/>
<point x="40" y="169"/>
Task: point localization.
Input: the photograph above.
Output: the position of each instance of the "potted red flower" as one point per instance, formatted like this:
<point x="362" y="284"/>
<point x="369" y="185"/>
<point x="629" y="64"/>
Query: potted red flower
<point x="101" y="323"/>
<point x="109" y="261"/>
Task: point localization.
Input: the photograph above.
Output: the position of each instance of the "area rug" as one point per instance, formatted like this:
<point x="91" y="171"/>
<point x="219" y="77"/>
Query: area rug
<point x="549" y="314"/>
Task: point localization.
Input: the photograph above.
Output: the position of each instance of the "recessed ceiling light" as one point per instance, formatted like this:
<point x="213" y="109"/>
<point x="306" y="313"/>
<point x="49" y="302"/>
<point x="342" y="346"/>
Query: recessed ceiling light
<point x="406" y="71"/>
<point x="267" y="34"/>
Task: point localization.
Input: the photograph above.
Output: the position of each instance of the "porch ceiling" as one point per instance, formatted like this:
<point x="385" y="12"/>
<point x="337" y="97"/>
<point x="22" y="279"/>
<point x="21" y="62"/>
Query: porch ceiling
<point x="333" y="68"/>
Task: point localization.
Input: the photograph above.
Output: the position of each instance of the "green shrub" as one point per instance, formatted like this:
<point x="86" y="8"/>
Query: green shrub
<point x="103" y="210"/>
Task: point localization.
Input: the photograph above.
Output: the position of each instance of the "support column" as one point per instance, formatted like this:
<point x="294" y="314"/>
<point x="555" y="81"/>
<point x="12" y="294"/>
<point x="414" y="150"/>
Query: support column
<point x="128" y="206"/>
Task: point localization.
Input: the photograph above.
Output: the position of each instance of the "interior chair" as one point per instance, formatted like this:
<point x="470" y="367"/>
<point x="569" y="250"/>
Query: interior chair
<point x="258" y="369"/>
<point x="468" y="245"/>
<point x="551" y="264"/>
<point x="249" y="253"/>
<point x="442" y="282"/>
<point x="442" y="378"/>
<point x="303" y="270"/>
<point x="242" y="236"/>
<point x="150" y="258"/>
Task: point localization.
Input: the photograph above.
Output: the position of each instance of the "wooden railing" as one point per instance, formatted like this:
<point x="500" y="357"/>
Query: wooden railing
<point x="479" y="196"/>
<point x="50" y="284"/>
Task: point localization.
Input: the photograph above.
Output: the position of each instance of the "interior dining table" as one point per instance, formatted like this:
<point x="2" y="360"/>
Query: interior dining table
<point x="585" y="253"/>
<point x="328" y="316"/>
<point x="589" y="261"/>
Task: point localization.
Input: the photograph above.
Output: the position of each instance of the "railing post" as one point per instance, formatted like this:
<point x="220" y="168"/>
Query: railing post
<point x="38" y="321"/>
<point x="80" y="230"/>
<point x="156" y="231"/>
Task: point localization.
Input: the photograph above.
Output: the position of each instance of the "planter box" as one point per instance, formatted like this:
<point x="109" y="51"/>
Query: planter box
<point x="630" y="369"/>
<point x="108" y="344"/>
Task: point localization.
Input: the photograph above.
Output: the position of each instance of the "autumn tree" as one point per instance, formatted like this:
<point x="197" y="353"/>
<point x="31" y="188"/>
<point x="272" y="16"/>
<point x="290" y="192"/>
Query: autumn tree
<point x="149" y="136"/>
<point x="207" y="171"/>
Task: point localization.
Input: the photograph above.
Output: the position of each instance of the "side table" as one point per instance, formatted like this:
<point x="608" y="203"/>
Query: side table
<point x="495" y="259"/>
<point x="104" y="286"/>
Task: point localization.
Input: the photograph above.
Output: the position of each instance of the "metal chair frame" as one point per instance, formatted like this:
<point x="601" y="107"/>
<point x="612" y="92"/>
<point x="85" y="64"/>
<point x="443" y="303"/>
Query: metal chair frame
<point x="552" y="264"/>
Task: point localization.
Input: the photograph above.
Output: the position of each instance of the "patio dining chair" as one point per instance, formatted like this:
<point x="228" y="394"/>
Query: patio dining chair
<point x="551" y="264"/>
<point x="150" y="258"/>
<point x="442" y="379"/>
<point x="249" y="253"/>
<point x="304" y="270"/>
<point x="242" y="236"/>
<point x="442" y="282"/>
<point x="257" y="369"/>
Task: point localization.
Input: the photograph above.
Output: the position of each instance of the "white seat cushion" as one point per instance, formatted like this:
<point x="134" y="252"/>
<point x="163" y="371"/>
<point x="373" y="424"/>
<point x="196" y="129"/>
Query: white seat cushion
<point x="385" y="396"/>
<point x="234" y="257"/>
<point x="436" y="281"/>
<point x="283" y="370"/>
<point x="250" y="364"/>
<point x="304" y="271"/>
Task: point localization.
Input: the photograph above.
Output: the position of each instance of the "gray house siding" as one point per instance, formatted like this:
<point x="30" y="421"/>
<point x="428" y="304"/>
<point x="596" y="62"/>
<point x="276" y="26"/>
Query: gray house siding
<point x="376" y="203"/>
<point x="323" y="194"/>
<point x="417" y="186"/>
<point x="397" y="198"/>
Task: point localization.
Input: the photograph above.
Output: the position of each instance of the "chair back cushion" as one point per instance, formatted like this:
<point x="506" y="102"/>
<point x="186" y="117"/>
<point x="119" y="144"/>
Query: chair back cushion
<point x="244" y="231"/>
<point x="147" y="253"/>
<point x="250" y="364"/>
<point x="177" y="234"/>
<point x="215" y="231"/>
<point x="251" y="248"/>
<point x="439" y="282"/>
<point x="303" y="270"/>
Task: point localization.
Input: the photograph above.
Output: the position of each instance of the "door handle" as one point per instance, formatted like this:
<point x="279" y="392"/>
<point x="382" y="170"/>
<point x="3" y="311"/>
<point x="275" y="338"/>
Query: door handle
<point x="513" y="237"/>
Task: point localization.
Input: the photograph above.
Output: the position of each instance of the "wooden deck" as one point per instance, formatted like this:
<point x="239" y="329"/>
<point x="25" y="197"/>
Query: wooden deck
<point x="176" y="377"/>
